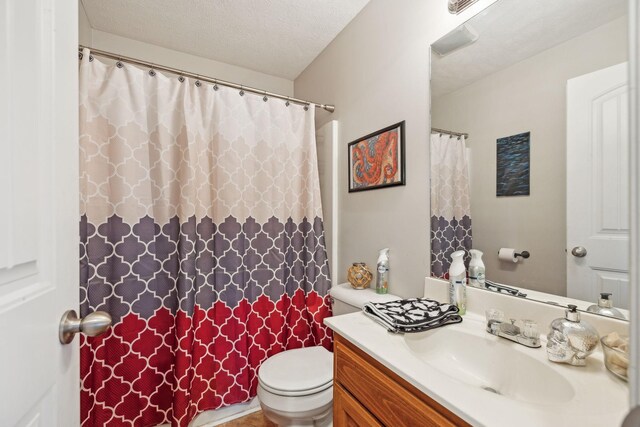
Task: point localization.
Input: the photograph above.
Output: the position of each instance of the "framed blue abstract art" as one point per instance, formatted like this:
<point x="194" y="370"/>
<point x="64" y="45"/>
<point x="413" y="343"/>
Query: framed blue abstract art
<point x="513" y="165"/>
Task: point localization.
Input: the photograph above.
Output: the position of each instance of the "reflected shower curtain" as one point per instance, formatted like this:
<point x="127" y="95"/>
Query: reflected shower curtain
<point x="201" y="234"/>
<point x="450" y="201"/>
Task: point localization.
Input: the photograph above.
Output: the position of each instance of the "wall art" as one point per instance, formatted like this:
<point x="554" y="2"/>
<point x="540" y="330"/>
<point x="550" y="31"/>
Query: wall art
<point x="377" y="160"/>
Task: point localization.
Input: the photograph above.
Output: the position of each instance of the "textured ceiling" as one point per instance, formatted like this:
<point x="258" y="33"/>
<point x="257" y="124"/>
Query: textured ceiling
<point x="513" y="30"/>
<point x="277" y="37"/>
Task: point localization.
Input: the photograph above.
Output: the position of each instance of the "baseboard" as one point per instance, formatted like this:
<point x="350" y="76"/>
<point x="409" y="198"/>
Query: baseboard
<point x="226" y="414"/>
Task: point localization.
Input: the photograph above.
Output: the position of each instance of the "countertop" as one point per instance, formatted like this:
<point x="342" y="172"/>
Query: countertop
<point x="600" y="399"/>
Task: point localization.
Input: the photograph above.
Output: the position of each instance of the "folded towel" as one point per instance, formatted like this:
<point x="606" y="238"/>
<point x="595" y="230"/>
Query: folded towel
<point x="412" y="315"/>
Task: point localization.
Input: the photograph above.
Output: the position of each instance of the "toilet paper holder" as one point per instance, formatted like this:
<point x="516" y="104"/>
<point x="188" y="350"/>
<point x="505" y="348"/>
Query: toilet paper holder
<point x="511" y="255"/>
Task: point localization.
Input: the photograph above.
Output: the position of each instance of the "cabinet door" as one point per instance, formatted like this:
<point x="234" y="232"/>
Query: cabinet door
<point x="347" y="412"/>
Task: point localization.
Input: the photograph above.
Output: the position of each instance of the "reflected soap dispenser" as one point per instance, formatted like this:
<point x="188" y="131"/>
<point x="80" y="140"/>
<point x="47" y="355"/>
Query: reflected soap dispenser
<point x="476" y="269"/>
<point x="571" y="340"/>
<point x="605" y="307"/>
<point x="458" y="282"/>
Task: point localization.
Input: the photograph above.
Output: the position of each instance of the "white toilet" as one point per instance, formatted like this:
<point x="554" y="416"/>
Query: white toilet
<point x="295" y="387"/>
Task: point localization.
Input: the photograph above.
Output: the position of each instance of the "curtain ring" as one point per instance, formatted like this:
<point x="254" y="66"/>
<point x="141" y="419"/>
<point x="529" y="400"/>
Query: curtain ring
<point x="181" y="79"/>
<point x="264" y="98"/>
<point x="241" y="90"/>
<point x="80" y="55"/>
<point x="119" y="63"/>
<point x="215" y="84"/>
<point x="287" y="103"/>
<point x="306" y="107"/>
<point x="198" y="84"/>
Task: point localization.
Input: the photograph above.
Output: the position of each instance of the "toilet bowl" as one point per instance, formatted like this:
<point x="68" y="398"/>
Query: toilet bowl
<point x="295" y="387"/>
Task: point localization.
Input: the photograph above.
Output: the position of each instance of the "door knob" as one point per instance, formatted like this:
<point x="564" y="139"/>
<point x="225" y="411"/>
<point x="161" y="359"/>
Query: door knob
<point x="579" y="252"/>
<point x="91" y="325"/>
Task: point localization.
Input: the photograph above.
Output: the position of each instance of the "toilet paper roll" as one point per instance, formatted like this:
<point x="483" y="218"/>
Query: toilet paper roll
<point x="507" y="254"/>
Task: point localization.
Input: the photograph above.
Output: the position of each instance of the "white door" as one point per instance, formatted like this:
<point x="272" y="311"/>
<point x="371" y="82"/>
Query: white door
<point x="39" y="378"/>
<point x="598" y="185"/>
<point x="327" y="146"/>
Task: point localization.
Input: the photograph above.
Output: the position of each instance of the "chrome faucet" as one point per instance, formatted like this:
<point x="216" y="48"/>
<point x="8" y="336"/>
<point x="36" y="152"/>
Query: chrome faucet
<point x="527" y="336"/>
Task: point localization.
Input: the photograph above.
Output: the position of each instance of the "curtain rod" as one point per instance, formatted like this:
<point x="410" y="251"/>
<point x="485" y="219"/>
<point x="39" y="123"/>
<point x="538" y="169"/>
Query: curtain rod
<point x="448" y="132"/>
<point x="111" y="55"/>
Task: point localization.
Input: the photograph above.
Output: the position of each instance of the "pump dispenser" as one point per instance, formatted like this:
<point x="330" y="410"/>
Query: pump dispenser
<point x="458" y="282"/>
<point x="382" y="280"/>
<point x="571" y="340"/>
<point x="605" y="307"/>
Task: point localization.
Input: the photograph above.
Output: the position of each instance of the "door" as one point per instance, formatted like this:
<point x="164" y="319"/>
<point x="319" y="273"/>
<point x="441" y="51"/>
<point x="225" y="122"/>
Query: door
<point x="38" y="211"/>
<point x="598" y="185"/>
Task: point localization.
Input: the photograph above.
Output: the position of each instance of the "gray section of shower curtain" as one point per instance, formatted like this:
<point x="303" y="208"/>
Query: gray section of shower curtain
<point x="446" y="238"/>
<point x="143" y="267"/>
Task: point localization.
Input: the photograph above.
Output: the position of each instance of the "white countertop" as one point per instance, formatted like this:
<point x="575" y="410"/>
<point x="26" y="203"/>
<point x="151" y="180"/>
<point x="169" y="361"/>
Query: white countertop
<point x="600" y="399"/>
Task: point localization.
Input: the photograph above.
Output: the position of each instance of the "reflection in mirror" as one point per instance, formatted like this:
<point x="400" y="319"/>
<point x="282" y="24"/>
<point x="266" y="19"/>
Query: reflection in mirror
<point x="529" y="149"/>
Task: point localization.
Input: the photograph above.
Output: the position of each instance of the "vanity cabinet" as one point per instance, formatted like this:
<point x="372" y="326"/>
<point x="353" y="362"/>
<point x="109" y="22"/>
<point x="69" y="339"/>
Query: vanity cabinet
<point x="368" y="394"/>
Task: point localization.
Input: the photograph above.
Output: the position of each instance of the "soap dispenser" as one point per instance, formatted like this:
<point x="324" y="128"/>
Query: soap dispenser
<point x="458" y="282"/>
<point x="476" y="269"/>
<point x="571" y="340"/>
<point x="382" y="280"/>
<point x="605" y="307"/>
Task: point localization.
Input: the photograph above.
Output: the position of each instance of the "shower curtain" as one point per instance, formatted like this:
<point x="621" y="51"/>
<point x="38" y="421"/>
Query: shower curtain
<point x="201" y="234"/>
<point x="450" y="201"/>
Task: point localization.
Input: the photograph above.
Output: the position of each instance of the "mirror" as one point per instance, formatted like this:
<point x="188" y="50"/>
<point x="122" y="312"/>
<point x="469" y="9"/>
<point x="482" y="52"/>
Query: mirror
<point x="529" y="101"/>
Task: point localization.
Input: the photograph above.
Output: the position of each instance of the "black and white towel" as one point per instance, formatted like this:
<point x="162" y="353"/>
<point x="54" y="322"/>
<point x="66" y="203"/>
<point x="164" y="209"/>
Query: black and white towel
<point x="412" y="314"/>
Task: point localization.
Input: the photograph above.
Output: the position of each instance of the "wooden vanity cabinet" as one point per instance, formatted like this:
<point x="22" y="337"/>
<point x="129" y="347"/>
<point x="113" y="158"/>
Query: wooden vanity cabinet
<point x="367" y="394"/>
<point x="347" y="411"/>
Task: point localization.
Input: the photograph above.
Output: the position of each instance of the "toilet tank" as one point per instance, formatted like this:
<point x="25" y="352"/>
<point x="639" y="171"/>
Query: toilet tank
<point x="349" y="300"/>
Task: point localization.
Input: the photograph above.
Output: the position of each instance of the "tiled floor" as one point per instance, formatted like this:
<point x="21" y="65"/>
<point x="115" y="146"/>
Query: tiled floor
<point x="252" y="420"/>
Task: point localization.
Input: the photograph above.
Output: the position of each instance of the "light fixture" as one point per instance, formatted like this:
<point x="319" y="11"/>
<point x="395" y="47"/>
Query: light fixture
<point x="457" y="6"/>
<point x="462" y="36"/>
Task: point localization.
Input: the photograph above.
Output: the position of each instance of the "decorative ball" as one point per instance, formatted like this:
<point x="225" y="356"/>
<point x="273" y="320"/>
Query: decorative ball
<point x="359" y="275"/>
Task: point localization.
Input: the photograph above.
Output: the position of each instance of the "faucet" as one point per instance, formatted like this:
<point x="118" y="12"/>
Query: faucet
<point x="529" y="337"/>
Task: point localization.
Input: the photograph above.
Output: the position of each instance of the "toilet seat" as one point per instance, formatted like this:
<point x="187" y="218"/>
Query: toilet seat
<point x="294" y="393"/>
<point x="298" y="372"/>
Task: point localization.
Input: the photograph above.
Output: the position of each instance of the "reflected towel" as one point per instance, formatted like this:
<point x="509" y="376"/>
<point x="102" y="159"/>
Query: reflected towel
<point x="503" y="289"/>
<point x="412" y="314"/>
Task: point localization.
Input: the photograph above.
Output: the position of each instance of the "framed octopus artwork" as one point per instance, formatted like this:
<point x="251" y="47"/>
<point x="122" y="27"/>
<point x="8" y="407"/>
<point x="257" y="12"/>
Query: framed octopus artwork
<point x="377" y="160"/>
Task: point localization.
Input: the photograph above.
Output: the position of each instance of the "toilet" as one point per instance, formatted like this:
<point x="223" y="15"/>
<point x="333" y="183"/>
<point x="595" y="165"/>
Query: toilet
<point x="295" y="387"/>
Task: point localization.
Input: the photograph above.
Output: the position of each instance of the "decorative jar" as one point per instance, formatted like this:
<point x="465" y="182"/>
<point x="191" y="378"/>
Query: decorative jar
<point x="359" y="275"/>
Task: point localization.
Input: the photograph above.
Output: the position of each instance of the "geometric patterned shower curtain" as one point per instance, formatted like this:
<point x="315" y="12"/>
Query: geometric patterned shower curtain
<point x="201" y="234"/>
<point x="450" y="202"/>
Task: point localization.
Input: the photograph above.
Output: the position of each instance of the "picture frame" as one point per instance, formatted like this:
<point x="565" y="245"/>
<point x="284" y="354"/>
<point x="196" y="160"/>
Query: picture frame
<point x="513" y="165"/>
<point x="377" y="160"/>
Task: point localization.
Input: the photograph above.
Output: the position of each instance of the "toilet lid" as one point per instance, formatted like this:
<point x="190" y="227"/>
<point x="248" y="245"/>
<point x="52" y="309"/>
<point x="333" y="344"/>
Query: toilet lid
<point x="297" y="372"/>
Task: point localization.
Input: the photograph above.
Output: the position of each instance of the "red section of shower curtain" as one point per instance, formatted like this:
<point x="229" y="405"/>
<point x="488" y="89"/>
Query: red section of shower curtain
<point x="170" y="368"/>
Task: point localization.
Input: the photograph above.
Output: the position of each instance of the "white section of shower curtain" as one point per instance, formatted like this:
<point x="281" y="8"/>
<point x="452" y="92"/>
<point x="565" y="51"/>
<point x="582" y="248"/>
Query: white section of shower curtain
<point x="450" y="196"/>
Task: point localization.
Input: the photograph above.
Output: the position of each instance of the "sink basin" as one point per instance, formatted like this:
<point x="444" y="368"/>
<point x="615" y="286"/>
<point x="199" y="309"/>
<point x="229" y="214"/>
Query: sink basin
<point x="492" y="364"/>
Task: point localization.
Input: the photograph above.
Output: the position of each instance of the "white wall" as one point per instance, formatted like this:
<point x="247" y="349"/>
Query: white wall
<point x="180" y="60"/>
<point x="528" y="96"/>
<point x="326" y="142"/>
<point x="376" y="72"/>
<point x="194" y="64"/>
<point x="84" y="27"/>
